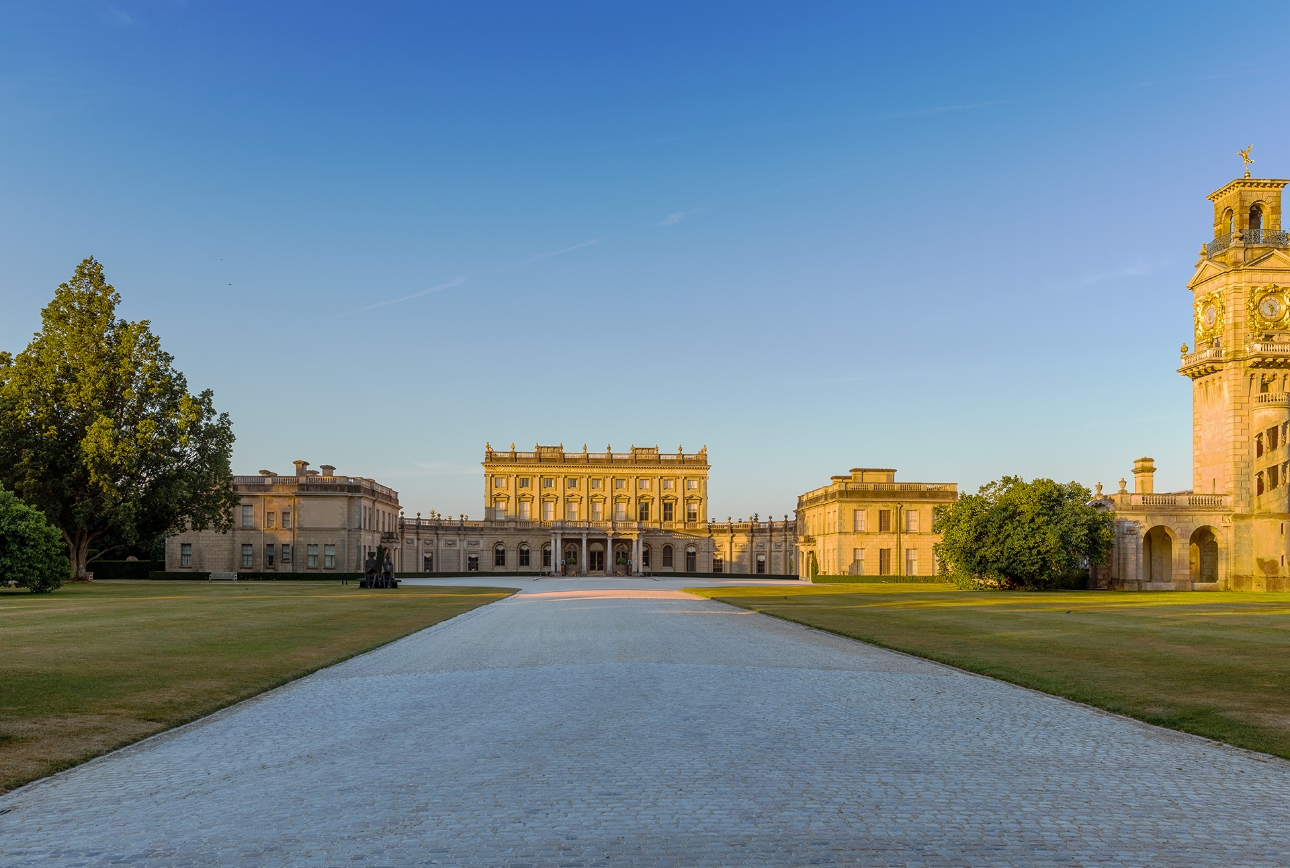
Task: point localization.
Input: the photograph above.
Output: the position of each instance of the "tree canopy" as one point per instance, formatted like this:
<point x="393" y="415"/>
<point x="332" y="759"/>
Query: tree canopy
<point x="1015" y="534"/>
<point x="31" y="549"/>
<point x="98" y="429"/>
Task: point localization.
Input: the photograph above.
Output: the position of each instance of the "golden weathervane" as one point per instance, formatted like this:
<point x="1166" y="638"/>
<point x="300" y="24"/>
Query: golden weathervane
<point x="1245" y="155"/>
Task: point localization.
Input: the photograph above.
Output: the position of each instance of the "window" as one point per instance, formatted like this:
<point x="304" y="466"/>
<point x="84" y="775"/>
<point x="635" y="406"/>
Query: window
<point x="548" y="511"/>
<point x="268" y="519"/>
<point x="427" y="563"/>
<point x="286" y="518"/>
<point x="1258" y="450"/>
<point x="644" y="556"/>
<point x="571" y="482"/>
<point x="526" y="510"/>
<point x="499" y="508"/>
<point x="548" y="482"/>
<point x="668" y="507"/>
<point x="248" y="516"/>
<point x="642" y="511"/>
<point x="1256" y="218"/>
<point x="268" y="556"/>
<point x="1273" y="477"/>
<point x="329" y="557"/>
<point x="692" y="484"/>
<point x="717" y="564"/>
<point x="248" y="557"/>
<point x="571" y="511"/>
<point x="286" y="553"/>
<point x="667" y="556"/>
<point x="857" y="562"/>
<point x="692" y="560"/>
<point x="884" y="522"/>
<point x="884" y="562"/>
<point x="595" y="483"/>
<point x="185" y="554"/>
<point x="1272" y="437"/>
<point x="911" y="521"/>
<point x="911" y="562"/>
<point x="546" y="556"/>
<point x="1258" y="483"/>
<point x="691" y="512"/>
<point x="499" y="555"/>
<point x="669" y="484"/>
<point x="499" y="482"/>
<point x="644" y="483"/>
<point x="620" y="511"/>
<point x="857" y="520"/>
<point x="597" y="510"/>
<point x="524" y="555"/>
<point x="761" y="564"/>
<point x="311" y="556"/>
<point x="472" y="563"/>
<point x="620" y="483"/>
<point x="524" y="482"/>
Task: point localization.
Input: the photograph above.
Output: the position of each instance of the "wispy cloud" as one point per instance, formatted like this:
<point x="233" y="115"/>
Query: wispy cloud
<point x="1138" y="269"/>
<point x="532" y="259"/>
<point x="449" y="285"/>
<point x="678" y="216"/>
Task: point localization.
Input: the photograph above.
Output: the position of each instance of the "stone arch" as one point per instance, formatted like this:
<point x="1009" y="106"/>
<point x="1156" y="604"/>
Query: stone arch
<point x="1203" y="554"/>
<point x="1256" y="216"/>
<point x="1158" y="554"/>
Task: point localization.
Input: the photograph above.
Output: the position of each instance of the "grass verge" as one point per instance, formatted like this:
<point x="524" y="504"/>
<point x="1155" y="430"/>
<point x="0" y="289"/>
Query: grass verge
<point x="93" y="667"/>
<point x="1212" y="664"/>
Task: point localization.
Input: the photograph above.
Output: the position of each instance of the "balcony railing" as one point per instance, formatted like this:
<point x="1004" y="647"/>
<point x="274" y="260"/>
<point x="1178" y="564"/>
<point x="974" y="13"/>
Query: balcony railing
<point x="452" y="525"/>
<point x="1268" y="348"/>
<point x="319" y="483"/>
<point x="1272" y="398"/>
<point x="1274" y="237"/>
<point x="1209" y="354"/>
<point x="1178" y="501"/>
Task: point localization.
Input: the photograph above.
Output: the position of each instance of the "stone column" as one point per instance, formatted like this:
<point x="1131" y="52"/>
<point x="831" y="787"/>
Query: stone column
<point x="583" y="564"/>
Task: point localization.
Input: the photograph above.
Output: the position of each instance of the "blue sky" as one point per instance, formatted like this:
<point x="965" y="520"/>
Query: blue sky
<point x="947" y="238"/>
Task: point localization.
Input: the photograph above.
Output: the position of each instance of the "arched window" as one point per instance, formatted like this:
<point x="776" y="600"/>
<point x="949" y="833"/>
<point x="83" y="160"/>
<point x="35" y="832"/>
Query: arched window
<point x="499" y="555"/>
<point x="1258" y="483"/>
<point x="524" y="555"/>
<point x="667" y="550"/>
<point x="546" y="556"/>
<point x="644" y="556"/>
<point x="1230" y="219"/>
<point x="1256" y="218"/>
<point x="691" y="559"/>
<point x="1258" y="445"/>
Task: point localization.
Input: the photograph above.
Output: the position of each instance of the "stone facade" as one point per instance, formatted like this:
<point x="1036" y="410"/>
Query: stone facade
<point x="308" y="522"/>
<point x="868" y="524"/>
<point x="1228" y="531"/>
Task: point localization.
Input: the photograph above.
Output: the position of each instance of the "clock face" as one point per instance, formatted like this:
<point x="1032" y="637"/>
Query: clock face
<point x="1209" y="316"/>
<point x="1271" y="308"/>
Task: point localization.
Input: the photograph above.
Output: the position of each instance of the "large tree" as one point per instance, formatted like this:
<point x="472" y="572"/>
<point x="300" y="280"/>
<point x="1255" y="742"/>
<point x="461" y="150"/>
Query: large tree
<point x="31" y="549"/>
<point x="99" y="432"/>
<point x="1015" y="534"/>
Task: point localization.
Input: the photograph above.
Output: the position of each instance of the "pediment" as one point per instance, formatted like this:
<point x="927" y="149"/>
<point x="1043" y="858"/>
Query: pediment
<point x="1206" y="270"/>
<point x="1273" y="260"/>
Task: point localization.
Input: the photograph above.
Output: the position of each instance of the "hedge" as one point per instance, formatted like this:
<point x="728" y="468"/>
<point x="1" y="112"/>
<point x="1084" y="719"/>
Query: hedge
<point x="105" y="571"/>
<point x="188" y="575"/>
<point x="876" y="580"/>
<point x="202" y="576"/>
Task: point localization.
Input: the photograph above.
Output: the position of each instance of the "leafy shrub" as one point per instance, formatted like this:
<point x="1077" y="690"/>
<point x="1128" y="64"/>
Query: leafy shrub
<point x="32" y="551"/>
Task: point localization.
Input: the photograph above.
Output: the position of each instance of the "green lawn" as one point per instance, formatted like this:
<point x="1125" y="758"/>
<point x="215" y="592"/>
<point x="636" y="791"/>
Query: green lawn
<point x="93" y="667"/>
<point x="1213" y="664"/>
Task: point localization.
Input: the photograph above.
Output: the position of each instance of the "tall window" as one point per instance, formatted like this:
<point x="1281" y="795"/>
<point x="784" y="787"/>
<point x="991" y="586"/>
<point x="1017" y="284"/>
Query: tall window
<point x="427" y="562"/>
<point x="597" y="510"/>
<point x="185" y="554"/>
<point x="857" y="520"/>
<point x="329" y="557"/>
<point x="546" y="556"/>
<point x="642" y="511"/>
<point x="248" y="557"/>
<point x="668" y="507"/>
<point x="911" y="521"/>
<point x="911" y="562"/>
<point x="286" y="518"/>
<point x="286" y="553"/>
<point x="1258" y="450"/>
<point x="761" y="564"/>
<point x="1258" y="484"/>
<point x="268" y="556"/>
<point x="1273" y="476"/>
<point x="548" y="482"/>
<point x="667" y="556"/>
<point x="499" y="508"/>
<point x="472" y="563"/>
<point x="691" y="512"/>
<point x="248" y="516"/>
<point x="1273" y="437"/>
<point x="526" y="510"/>
<point x="717" y="564"/>
<point x="499" y="482"/>
<point x="499" y="555"/>
<point x="620" y="511"/>
<point x="548" y="510"/>
<point x="1256" y="218"/>
<point x="692" y="484"/>
<point x="268" y="519"/>
<point x="644" y="556"/>
<point x="884" y="562"/>
<point x="857" y="562"/>
<point x="571" y="511"/>
<point x="884" y="522"/>
<point x="692" y="560"/>
<point x="524" y="555"/>
<point x="311" y="556"/>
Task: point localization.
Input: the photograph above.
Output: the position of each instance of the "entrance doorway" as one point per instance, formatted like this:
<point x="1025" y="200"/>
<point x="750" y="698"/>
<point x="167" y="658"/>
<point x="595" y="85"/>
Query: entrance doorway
<point x="596" y="561"/>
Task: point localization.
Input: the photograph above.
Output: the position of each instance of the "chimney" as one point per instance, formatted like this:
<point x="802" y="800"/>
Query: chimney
<point x="328" y="470"/>
<point x="267" y="473"/>
<point x="1143" y="469"/>
<point x="301" y="466"/>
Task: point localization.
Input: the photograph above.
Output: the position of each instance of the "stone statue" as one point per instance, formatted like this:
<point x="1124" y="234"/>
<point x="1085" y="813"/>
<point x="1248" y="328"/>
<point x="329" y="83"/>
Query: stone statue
<point x="1245" y="155"/>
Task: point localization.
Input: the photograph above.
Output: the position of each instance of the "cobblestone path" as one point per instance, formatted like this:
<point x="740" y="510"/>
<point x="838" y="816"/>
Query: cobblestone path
<point x="575" y="726"/>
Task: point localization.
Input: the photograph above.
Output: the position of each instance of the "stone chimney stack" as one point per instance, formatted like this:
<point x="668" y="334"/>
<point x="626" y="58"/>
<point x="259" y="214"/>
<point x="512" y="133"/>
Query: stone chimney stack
<point x="1143" y="470"/>
<point x="327" y="470"/>
<point x="301" y="467"/>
